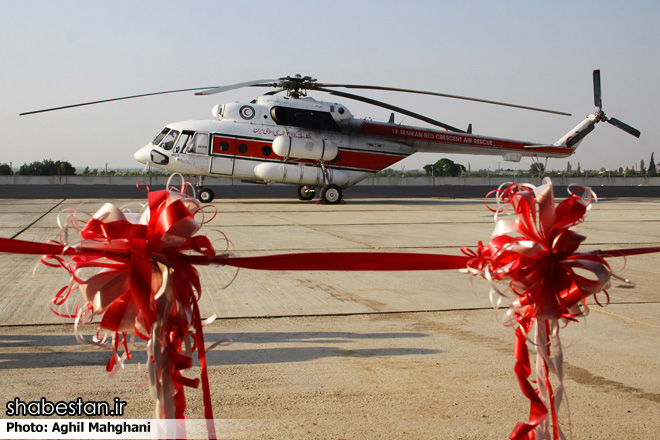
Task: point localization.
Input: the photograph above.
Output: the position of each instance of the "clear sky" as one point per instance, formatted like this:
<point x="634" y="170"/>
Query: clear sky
<point x="532" y="53"/>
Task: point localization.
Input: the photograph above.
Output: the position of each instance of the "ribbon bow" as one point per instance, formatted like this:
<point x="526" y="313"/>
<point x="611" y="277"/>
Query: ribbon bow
<point x="536" y="258"/>
<point x="147" y="287"/>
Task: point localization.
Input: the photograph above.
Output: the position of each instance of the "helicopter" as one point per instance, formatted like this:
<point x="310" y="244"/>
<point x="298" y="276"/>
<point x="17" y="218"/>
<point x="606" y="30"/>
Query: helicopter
<point x="319" y="145"/>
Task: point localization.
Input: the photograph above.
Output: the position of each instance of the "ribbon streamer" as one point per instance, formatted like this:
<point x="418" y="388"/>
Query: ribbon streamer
<point x="534" y="261"/>
<point x="147" y="285"/>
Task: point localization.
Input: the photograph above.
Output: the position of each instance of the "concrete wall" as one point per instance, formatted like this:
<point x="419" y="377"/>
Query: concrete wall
<point x="375" y="181"/>
<point x="106" y="180"/>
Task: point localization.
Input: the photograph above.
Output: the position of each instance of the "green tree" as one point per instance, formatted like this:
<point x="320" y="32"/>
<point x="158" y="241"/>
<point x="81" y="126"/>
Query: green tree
<point x="653" y="171"/>
<point x="65" y="168"/>
<point x="537" y="169"/>
<point x="5" y="170"/>
<point x="47" y="168"/>
<point x="444" y="167"/>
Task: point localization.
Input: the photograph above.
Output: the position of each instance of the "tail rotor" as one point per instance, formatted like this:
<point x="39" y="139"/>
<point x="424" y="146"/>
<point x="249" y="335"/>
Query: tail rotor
<point x="598" y="101"/>
<point x="575" y="136"/>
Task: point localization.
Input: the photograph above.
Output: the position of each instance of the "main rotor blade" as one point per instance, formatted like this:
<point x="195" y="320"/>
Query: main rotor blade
<point x="444" y="95"/>
<point x="253" y="83"/>
<point x="623" y="126"/>
<point x="273" y="92"/>
<point x="598" y="98"/>
<point x="390" y="107"/>
<point x="110" y="100"/>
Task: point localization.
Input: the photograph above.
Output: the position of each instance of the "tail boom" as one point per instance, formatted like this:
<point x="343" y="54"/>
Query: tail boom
<point x="573" y="138"/>
<point x="436" y="141"/>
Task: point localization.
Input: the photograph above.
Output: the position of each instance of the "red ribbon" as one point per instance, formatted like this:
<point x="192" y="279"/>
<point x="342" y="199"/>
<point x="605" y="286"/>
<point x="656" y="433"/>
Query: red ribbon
<point x="536" y="259"/>
<point x="146" y="286"/>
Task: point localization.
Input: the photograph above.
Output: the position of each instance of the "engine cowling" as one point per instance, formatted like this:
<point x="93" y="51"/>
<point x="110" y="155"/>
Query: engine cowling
<point x="305" y="148"/>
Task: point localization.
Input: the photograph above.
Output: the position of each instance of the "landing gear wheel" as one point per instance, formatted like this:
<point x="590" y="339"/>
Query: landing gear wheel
<point x="206" y="195"/>
<point x="306" y="192"/>
<point x="331" y="194"/>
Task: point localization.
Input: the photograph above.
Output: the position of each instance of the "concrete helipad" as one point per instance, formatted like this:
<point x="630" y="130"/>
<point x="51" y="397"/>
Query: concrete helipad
<point x="360" y="354"/>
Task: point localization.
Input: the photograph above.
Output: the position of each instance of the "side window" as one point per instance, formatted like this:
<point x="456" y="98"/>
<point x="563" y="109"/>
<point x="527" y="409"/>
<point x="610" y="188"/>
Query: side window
<point x="183" y="141"/>
<point x="168" y="141"/>
<point x="223" y="145"/>
<point x="200" y="144"/>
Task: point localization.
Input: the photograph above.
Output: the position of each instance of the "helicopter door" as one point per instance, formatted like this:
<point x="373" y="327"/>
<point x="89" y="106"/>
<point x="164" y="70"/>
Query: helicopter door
<point x="223" y="155"/>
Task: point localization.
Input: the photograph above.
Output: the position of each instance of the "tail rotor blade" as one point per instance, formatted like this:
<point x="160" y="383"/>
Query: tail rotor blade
<point x="598" y="101"/>
<point x="625" y="127"/>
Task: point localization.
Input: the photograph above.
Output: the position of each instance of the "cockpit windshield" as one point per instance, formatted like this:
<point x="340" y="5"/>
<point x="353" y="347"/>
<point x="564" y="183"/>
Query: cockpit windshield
<point x="160" y="136"/>
<point x="188" y="142"/>
<point x="167" y="139"/>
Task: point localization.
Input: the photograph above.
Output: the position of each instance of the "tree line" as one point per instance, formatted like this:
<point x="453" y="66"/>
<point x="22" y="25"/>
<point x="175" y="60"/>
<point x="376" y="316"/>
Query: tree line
<point x="46" y="167"/>
<point x="448" y="168"/>
<point x="442" y="168"/>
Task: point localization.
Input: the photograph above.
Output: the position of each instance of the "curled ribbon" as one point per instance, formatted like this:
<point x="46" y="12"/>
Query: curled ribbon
<point x="535" y="258"/>
<point x="147" y="287"/>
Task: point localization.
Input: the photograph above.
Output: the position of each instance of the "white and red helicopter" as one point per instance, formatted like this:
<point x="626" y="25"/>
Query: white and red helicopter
<point x="296" y="139"/>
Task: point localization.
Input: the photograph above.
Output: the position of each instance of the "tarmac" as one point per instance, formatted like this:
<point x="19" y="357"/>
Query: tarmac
<point x="346" y="355"/>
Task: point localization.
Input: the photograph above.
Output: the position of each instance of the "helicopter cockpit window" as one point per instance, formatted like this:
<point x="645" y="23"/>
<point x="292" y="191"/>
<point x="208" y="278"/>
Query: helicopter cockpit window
<point x="311" y="119"/>
<point x="168" y="140"/>
<point x="200" y="144"/>
<point x="160" y="136"/>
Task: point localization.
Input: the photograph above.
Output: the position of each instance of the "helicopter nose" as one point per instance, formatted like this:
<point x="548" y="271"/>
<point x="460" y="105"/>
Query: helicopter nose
<point x="143" y="154"/>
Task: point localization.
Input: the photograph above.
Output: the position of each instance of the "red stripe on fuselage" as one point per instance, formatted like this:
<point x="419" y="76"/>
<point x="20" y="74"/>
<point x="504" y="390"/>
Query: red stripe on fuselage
<point x="368" y="160"/>
<point x="411" y="136"/>
<point x="262" y="150"/>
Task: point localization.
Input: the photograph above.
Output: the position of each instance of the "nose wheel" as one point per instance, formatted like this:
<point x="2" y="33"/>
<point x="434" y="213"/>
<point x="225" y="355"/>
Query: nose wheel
<point x="205" y="195"/>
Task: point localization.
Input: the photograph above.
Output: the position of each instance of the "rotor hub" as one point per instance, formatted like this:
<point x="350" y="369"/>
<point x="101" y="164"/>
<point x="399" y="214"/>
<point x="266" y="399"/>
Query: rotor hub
<point x="600" y="116"/>
<point x="296" y="85"/>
